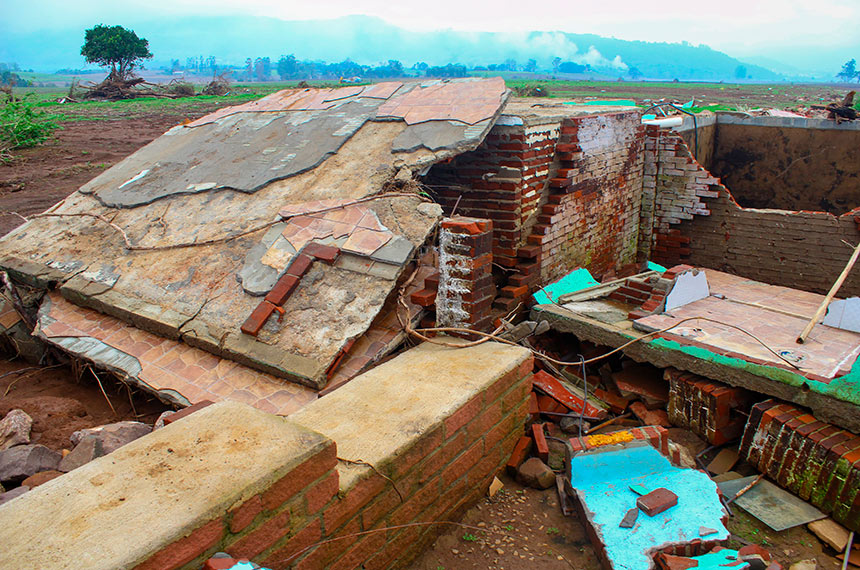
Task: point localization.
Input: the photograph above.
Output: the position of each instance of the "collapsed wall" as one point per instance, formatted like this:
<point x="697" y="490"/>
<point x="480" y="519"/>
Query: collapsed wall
<point x="696" y="220"/>
<point x="563" y="190"/>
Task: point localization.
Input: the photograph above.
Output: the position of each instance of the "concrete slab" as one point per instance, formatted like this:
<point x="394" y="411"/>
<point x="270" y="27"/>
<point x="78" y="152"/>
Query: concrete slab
<point x="757" y="307"/>
<point x="215" y="459"/>
<point x="180" y="232"/>
<point x="601" y="480"/>
<point x="170" y="370"/>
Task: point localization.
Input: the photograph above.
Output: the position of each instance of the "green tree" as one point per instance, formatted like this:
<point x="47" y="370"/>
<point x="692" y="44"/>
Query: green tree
<point x="849" y="71"/>
<point x="115" y="47"/>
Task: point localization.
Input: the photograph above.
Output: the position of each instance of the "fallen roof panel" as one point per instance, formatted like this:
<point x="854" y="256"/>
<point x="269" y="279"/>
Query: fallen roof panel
<point x="166" y="239"/>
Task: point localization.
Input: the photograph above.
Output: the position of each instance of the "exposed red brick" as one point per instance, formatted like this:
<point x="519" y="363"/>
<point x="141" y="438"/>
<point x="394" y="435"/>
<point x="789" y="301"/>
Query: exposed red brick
<point x="186" y="549"/>
<point x="520" y="454"/>
<point x="296" y="480"/>
<point x="262" y="537"/>
<point x="424" y="297"/>
<point x="282" y="289"/>
<point x="185" y="412"/>
<point x="300" y="265"/>
<point x="258" y="318"/>
<point x="244" y="515"/>
<point x="321" y="493"/>
<point x="541" y="446"/>
<point x="326" y="253"/>
<point x="657" y="501"/>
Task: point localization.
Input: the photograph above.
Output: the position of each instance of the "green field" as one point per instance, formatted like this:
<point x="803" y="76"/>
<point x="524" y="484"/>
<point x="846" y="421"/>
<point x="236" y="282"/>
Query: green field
<point x="705" y="96"/>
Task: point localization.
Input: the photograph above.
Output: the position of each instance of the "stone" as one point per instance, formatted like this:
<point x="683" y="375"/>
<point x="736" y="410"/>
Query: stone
<point x="41" y="478"/>
<point x="495" y="487"/>
<point x="85" y="451"/>
<point x="831" y="533"/>
<point x="657" y="501"/>
<point x="757" y="557"/>
<point x="113" y="436"/>
<point x="159" y="423"/>
<point x="15" y="429"/>
<point x="809" y="564"/>
<point x="705" y="531"/>
<point x="570" y="425"/>
<point x="19" y="462"/>
<point x="16" y="492"/>
<point x="535" y="473"/>
<point x="629" y="518"/>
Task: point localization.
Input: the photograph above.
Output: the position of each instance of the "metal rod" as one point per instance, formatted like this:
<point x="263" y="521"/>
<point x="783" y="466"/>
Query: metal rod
<point x="848" y="550"/>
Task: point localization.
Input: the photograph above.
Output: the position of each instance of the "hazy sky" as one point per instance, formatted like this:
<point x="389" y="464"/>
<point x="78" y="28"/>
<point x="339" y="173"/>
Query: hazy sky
<point x="738" y="27"/>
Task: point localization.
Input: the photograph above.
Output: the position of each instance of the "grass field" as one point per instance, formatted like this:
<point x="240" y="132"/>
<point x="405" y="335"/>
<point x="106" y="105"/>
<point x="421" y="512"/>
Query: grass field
<point x="706" y="96"/>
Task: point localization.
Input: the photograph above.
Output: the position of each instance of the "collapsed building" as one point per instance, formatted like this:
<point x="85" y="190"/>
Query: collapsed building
<point x="273" y="257"/>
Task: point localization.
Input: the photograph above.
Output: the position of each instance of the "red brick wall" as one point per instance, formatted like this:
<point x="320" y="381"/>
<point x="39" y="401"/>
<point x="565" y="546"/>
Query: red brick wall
<point x="816" y="461"/>
<point x="443" y="472"/>
<point x="560" y="195"/>
<point x="696" y="221"/>
<point x="591" y="218"/>
<point x="466" y="289"/>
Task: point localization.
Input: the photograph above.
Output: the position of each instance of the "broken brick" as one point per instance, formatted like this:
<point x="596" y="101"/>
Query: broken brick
<point x="519" y="454"/>
<point x="573" y="402"/>
<point x="650" y="417"/>
<point x="657" y="501"/>
<point x="258" y="318"/>
<point x="282" y="290"/>
<point x="541" y="446"/>
<point x="184" y="412"/>
<point x="424" y="297"/>
<point x="326" y="253"/>
<point x="300" y="265"/>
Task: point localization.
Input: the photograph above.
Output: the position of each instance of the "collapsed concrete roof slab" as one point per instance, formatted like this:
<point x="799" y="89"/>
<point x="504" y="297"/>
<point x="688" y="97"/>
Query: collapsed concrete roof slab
<point x="173" y="261"/>
<point x="171" y="370"/>
<point x="827" y="374"/>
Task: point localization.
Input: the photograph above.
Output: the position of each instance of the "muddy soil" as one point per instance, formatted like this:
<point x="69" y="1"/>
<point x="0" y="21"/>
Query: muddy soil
<point x="60" y="404"/>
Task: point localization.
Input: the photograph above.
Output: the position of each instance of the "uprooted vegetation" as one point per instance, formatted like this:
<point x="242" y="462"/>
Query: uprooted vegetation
<point x="21" y="125"/>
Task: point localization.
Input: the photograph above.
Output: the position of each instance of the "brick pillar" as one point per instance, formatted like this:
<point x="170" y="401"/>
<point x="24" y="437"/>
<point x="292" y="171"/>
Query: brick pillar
<point x="466" y="289"/>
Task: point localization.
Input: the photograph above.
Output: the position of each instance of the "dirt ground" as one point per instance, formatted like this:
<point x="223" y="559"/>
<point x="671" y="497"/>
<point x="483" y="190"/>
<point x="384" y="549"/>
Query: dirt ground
<point x="88" y="144"/>
<point x="59" y="404"/>
<point x="524" y="529"/>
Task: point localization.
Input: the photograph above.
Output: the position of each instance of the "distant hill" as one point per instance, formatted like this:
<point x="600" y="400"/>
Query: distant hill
<point x="370" y="40"/>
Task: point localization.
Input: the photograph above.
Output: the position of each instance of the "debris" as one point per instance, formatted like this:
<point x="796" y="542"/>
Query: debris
<point x="645" y="381"/>
<point x="554" y="388"/>
<point x="778" y="509"/>
<point x="540" y="442"/>
<point x="723" y="461"/>
<point x="754" y="555"/>
<point x="601" y="480"/>
<point x="113" y="436"/>
<point x="705" y="531"/>
<point x="16" y="492"/>
<point x="186" y="412"/>
<point x="562" y="487"/>
<point x="40" y="478"/>
<point x="19" y="462"/>
<point x="629" y="518"/>
<point x="495" y="487"/>
<point x="15" y="429"/>
<point x="809" y="564"/>
<point x="159" y="423"/>
<point x="571" y="425"/>
<point x="657" y="501"/>
<point x="535" y="473"/>
<point x="87" y="449"/>
<point x="831" y="533"/>
<point x="519" y="455"/>
<point x="650" y="417"/>
<point x="639" y="489"/>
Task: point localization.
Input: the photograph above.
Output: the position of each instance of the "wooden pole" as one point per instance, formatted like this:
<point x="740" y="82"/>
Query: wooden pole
<point x="830" y="294"/>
